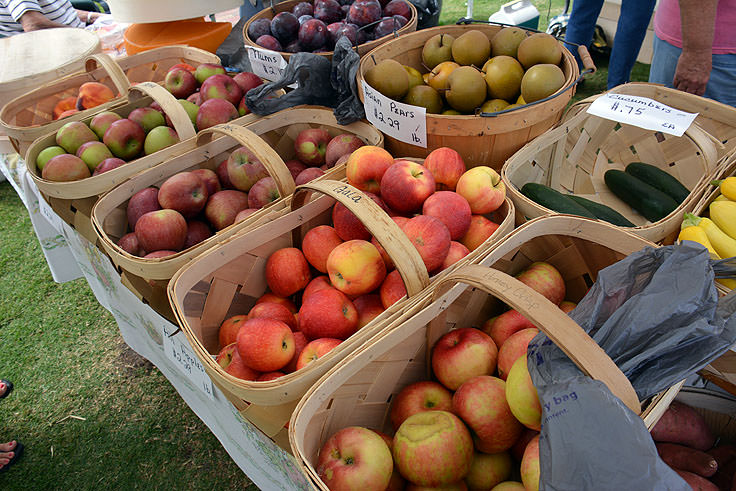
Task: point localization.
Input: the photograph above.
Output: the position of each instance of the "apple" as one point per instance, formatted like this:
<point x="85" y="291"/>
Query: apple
<point x="446" y="165"/>
<point x="108" y="164"/>
<point x="265" y="377"/>
<point x="517" y="451"/>
<point x="522" y="396"/>
<point x="197" y="231"/>
<point x="501" y="327"/>
<point x="159" y="254"/>
<point x="309" y="174"/>
<point x="300" y="342"/>
<point x="425" y="395"/>
<point x="65" y="167"/>
<point x="215" y="111"/>
<point x="392" y="289"/>
<point x="159" y="138"/>
<point x="191" y="108"/>
<point x="457" y="252"/>
<point x="461" y="354"/>
<point x="355" y="458"/>
<point x="347" y="225"/>
<point x="514" y="347"/>
<point x="273" y="310"/>
<point x="220" y="86"/>
<point x="161" y="230"/>
<point x="433" y="448"/>
<point x="343" y="144"/>
<point x="223" y="207"/>
<point x="316" y="349"/>
<point x="405" y="185"/>
<point x="229" y="328"/>
<point x="287" y="272"/>
<point x="430" y="237"/>
<point x="453" y="486"/>
<point x="129" y="243"/>
<point x="481" y="403"/>
<point x="310" y="146"/>
<point x="206" y="70"/>
<point x="243" y="214"/>
<point x="47" y="154"/>
<point x="93" y="153"/>
<point x="396" y="483"/>
<point x="488" y="470"/>
<point x="545" y="279"/>
<point x="209" y="178"/>
<point x="247" y="81"/>
<point x="451" y="209"/>
<point x="73" y="134"/>
<point x="318" y="283"/>
<point x="479" y="231"/>
<point x="530" y="469"/>
<point x="265" y="344"/>
<point x="124" y="138"/>
<point x="147" y="117"/>
<point x="328" y="313"/>
<point x="244" y="169"/>
<point x="369" y="307"/>
<point x="483" y="188"/>
<point x="366" y="166"/>
<point x="566" y="306"/>
<point x="141" y="203"/>
<point x="263" y="192"/>
<point x="356" y="267"/>
<point x="221" y="172"/>
<point x="317" y="244"/>
<point x="102" y="121"/>
<point x="229" y="360"/>
<point x="183" y="192"/>
<point x="400" y="221"/>
<point x="271" y="297"/>
<point x="180" y="82"/>
<point x="295" y="167"/>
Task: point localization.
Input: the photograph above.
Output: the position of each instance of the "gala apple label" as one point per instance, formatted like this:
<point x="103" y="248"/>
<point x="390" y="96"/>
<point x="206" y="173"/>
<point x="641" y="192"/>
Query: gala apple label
<point x="186" y="361"/>
<point x="401" y="121"/>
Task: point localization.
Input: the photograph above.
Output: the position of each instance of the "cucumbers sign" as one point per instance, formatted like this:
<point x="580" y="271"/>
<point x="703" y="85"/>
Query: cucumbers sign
<point x="642" y="112"/>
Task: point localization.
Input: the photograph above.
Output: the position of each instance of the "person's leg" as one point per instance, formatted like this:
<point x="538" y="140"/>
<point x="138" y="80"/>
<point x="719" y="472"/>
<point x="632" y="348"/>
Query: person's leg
<point x="664" y="62"/>
<point x="722" y="82"/>
<point x="581" y="25"/>
<point x="630" y="31"/>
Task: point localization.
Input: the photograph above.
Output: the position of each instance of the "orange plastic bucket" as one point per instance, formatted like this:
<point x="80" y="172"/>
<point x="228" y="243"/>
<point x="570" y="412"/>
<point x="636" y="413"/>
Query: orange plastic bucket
<point x="191" y="32"/>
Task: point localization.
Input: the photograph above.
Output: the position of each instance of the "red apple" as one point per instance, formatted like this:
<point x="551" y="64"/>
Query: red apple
<point x="355" y="267"/>
<point x="430" y="237"/>
<point x="215" y="111"/>
<point x="461" y="354"/>
<point x="229" y="359"/>
<point x="93" y="153"/>
<point x="220" y="86"/>
<point x="446" y="165"/>
<point x="129" y="243"/>
<point x="369" y="307"/>
<point x="457" y="252"/>
<point x="206" y="70"/>
<point x="272" y="310"/>
<point x="295" y="167"/>
<point x="210" y="180"/>
<point x="221" y="172"/>
<point x="73" y="134"/>
<point x="197" y="231"/>
<point x="102" y="121"/>
<point x="271" y="297"/>
<point x="405" y="185"/>
<point x="517" y="451"/>
<point x="147" y="117"/>
<point x="141" y="203"/>
<point x="307" y="175"/>
<point x="229" y="328"/>
<point x="108" y="164"/>
<point x="400" y="221"/>
<point x="265" y="377"/>
<point x="195" y="99"/>
<point x="318" y="283"/>
<point x="244" y="169"/>
<point x="479" y="231"/>
<point x="530" y="469"/>
<point x="183" y="192"/>
<point x="65" y="167"/>
<point x="347" y="225"/>
<point x="488" y="470"/>
<point x="501" y="327"/>
<point x="247" y="81"/>
<point x="392" y="289"/>
<point x="328" y="313"/>
<point x="317" y="244"/>
<point x="159" y="254"/>
<point x="223" y="206"/>
<point x="343" y="144"/>
<point x="483" y="188"/>
<point x="451" y="209"/>
<point x="545" y="279"/>
<point x="161" y="230"/>
<point x="300" y="342"/>
<point x="514" y="347"/>
<point x="287" y="272"/>
<point x="180" y="82"/>
<point x="316" y="349"/>
<point x="310" y="146"/>
<point x="567" y="306"/>
<point x="417" y="397"/>
<point x="243" y="214"/>
<point x="262" y="193"/>
<point x="124" y="138"/>
<point x="396" y="483"/>
<point x="265" y="344"/>
<point x="355" y="458"/>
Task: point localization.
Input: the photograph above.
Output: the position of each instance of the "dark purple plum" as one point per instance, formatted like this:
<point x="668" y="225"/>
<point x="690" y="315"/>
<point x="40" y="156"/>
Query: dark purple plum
<point x="293" y="47"/>
<point x="303" y="19"/>
<point x="361" y="35"/>
<point x="269" y="42"/>
<point x="258" y="28"/>
<point x="397" y="7"/>
<point x="402" y="20"/>
<point x="345" y="9"/>
<point x="285" y="27"/>
<point x="386" y="26"/>
<point x="328" y="11"/>
<point x="363" y="12"/>
<point x="303" y="8"/>
<point x="313" y="35"/>
<point x="340" y="29"/>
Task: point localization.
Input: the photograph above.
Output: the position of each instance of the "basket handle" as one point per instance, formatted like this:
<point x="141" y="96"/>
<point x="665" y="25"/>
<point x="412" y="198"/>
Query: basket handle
<point x="557" y="325"/>
<point x="111" y="67"/>
<point x="179" y="117"/>
<point x="585" y="57"/>
<point x="384" y="229"/>
<point x="267" y="155"/>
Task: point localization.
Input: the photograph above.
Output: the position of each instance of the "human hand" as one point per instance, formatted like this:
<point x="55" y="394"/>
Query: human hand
<point x="693" y="71"/>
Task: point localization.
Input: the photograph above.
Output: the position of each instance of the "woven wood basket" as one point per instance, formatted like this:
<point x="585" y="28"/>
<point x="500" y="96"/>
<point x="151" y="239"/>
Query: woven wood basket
<point x="480" y="140"/>
<point x="288" y="5"/>
<point x="30" y="116"/>
<point x="271" y="138"/>
<point x="574" y="156"/>
<point x="229" y="278"/>
<point x="359" y="390"/>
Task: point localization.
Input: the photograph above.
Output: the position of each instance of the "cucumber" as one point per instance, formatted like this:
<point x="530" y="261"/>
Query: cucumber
<point x="652" y="203"/>
<point x="603" y="212"/>
<point x="662" y="180"/>
<point x="554" y="200"/>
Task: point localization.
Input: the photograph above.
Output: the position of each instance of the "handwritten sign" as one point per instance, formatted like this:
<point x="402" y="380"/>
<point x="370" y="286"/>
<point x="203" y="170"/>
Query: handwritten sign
<point x="642" y="112"/>
<point x="266" y="64"/>
<point x="401" y="121"/>
<point x="184" y="358"/>
<point x="49" y="214"/>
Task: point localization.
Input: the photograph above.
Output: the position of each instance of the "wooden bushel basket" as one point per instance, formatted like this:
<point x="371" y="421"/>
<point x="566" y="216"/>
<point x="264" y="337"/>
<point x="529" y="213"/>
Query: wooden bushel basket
<point x="480" y="140"/>
<point x="287" y="6"/>
<point x="30" y="116"/>
<point x="228" y="279"/>
<point x="573" y="157"/>
<point x="359" y="390"/>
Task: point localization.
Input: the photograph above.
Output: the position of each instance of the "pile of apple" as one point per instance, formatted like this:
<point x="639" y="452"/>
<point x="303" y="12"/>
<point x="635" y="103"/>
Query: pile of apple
<point x="316" y="26"/>
<point x="341" y="278"/>
<point x="208" y="95"/>
<point x="464" y="430"/>
<point x="189" y="205"/>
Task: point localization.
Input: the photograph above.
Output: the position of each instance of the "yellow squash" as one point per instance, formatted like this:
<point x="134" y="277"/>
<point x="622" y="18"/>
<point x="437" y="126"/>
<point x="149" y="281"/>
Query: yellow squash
<point x="724" y="245"/>
<point x="728" y="187"/>
<point x="721" y="197"/>
<point x="697" y="234"/>
<point x="723" y="213"/>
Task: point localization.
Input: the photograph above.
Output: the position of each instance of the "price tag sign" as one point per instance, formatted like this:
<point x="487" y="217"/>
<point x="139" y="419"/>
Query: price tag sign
<point x="187" y="362"/>
<point x="401" y="121"/>
<point x="266" y="64"/>
<point x="642" y="112"/>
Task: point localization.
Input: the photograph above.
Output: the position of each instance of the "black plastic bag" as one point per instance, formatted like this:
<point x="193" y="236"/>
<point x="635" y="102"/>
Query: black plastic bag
<point x="657" y="314"/>
<point x="345" y="64"/>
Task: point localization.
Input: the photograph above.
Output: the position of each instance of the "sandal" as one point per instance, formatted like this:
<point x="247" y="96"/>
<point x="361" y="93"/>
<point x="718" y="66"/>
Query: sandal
<point x="9" y="388"/>
<point x="17" y="452"/>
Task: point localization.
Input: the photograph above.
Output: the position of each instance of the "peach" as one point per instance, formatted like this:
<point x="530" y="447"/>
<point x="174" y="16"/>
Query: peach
<point x="64" y="105"/>
<point x="92" y="94"/>
<point x="522" y="395"/>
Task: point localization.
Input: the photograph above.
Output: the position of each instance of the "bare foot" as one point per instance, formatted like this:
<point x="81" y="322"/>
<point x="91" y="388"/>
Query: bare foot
<point x="6" y="453"/>
<point x="3" y="388"/>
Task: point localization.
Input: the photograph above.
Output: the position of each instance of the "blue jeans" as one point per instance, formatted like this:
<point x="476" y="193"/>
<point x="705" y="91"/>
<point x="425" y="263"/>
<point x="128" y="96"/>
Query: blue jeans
<point x="721" y="84"/>
<point x="247" y="10"/>
<point x="630" y="32"/>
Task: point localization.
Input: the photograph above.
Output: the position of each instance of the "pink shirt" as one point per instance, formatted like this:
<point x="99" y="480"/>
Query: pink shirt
<point x="667" y="25"/>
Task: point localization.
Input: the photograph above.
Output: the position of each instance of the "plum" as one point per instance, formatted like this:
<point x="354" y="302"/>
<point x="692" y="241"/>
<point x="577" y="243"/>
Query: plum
<point x="302" y="8"/>
<point x="285" y="27"/>
<point x="364" y="12"/>
<point x="304" y="18"/>
<point x="328" y="11"/>
<point x="313" y="35"/>
<point x="386" y="26"/>
<point x="293" y="47"/>
<point x="340" y="29"/>
<point x="258" y="28"/>
<point x="269" y="42"/>
<point x="397" y="7"/>
<point x="402" y="20"/>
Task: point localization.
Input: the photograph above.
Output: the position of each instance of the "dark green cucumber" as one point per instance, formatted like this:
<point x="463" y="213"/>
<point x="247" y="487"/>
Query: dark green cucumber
<point x="603" y="212"/>
<point x="554" y="200"/>
<point x="662" y="180"/>
<point x="652" y="203"/>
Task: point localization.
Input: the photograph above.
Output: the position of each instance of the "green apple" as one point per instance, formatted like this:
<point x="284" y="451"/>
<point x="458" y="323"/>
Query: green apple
<point x="92" y="153"/>
<point x="147" y="117"/>
<point x="102" y="121"/>
<point x="158" y="138"/>
<point x="72" y="135"/>
<point x="47" y="154"/>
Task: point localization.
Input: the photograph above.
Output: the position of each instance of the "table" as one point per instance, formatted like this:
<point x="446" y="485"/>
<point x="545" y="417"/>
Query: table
<point x="70" y="256"/>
